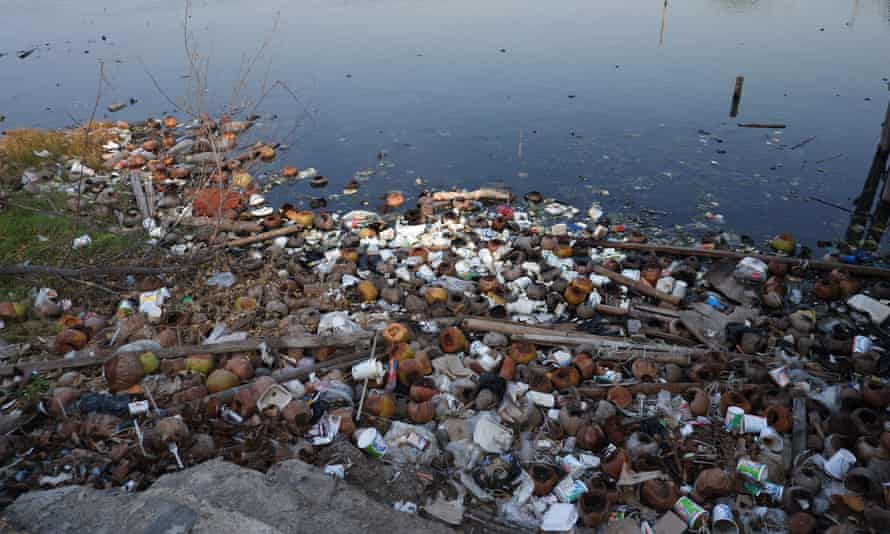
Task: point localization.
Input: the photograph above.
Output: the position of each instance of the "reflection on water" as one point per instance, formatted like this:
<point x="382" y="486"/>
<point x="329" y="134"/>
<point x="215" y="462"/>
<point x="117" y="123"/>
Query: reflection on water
<point x="621" y="103"/>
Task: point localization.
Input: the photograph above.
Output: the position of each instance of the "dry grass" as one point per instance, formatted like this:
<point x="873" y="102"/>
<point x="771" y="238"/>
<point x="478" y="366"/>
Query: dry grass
<point x="18" y="148"/>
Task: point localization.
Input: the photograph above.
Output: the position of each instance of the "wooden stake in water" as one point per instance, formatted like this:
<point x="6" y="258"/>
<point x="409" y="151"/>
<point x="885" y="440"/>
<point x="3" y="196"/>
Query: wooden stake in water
<point x="664" y="12"/>
<point x="737" y="96"/>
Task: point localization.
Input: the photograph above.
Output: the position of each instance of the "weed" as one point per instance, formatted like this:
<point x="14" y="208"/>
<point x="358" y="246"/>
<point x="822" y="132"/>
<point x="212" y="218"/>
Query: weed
<point x="19" y="149"/>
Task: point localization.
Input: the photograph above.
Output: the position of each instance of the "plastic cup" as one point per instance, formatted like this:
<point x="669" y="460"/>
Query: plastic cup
<point x="771" y="439"/>
<point x="780" y="376"/>
<point x="734" y="418"/>
<point x="694" y="515"/>
<point x="722" y="521"/>
<point x="368" y="369"/>
<point x="370" y="441"/>
<point x="838" y="465"/>
<point x="752" y="470"/>
<point x="753" y="424"/>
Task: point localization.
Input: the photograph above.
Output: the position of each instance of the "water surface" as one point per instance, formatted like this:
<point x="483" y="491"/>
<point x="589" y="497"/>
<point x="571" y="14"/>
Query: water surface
<point x="621" y="103"/>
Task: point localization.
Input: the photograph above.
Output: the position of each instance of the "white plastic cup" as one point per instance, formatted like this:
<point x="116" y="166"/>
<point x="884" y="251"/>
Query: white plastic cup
<point x="368" y="369"/>
<point x="691" y="513"/>
<point x="722" y="521"/>
<point x="838" y="465"/>
<point x="755" y="471"/>
<point x="734" y="418"/>
<point x="771" y="439"/>
<point x="753" y="424"/>
<point x="679" y="290"/>
<point x="370" y="441"/>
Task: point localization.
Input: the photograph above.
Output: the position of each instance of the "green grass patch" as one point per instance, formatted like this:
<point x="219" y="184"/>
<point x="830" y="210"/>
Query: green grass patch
<point x="31" y="230"/>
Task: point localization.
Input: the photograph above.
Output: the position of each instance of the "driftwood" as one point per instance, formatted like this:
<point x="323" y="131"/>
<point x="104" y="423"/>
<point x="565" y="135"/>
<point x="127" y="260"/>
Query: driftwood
<point x="139" y="193"/>
<point x="479" y="194"/>
<point x="255" y="344"/>
<point x="799" y="432"/>
<point x="616" y="311"/>
<point x="649" y="388"/>
<point x="287" y="230"/>
<point x="638" y="286"/>
<point x="819" y="265"/>
<point x="223" y="224"/>
<point x="91" y="357"/>
<point x="551" y="335"/>
<point x="87" y="272"/>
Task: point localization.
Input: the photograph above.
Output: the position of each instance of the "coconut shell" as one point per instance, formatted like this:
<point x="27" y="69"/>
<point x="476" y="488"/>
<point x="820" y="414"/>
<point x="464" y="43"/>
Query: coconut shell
<point x="241" y="367"/>
<point x="200" y="363"/>
<point x="713" y="483"/>
<point x="453" y="340"/>
<point x="620" y="396"/>
<point x="659" y="494"/>
<point x="172" y="430"/>
<point x="123" y="372"/>
<point x="221" y="380"/>
<point x="68" y="340"/>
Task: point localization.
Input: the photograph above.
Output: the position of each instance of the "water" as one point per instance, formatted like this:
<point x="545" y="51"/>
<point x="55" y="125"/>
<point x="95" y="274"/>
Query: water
<point x="606" y="104"/>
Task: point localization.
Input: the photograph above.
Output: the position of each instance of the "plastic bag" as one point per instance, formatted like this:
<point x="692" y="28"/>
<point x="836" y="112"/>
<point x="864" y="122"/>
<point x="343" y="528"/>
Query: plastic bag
<point x="397" y="434"/>
<point x="226" y="279"/>
<point x="338" y="324"/>
<point x="750" y="270"/>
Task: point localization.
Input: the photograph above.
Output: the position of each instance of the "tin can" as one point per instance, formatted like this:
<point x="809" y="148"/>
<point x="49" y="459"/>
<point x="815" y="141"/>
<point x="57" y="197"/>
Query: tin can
<point x="749" y="469"/>
<point x="734" y="418"/>
<point x="722" y="521"/>
<point x="138" y="407"/>
<point x="861" y="344"/>
<point x="694" y="515"/>
<point x="370" y="441"/>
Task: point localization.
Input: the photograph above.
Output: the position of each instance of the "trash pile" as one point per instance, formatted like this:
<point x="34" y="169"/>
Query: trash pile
<point x="519" y="365"/>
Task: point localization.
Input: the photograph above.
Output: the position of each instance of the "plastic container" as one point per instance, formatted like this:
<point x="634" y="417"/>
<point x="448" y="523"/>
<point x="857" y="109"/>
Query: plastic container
<point x="753" y="424"/>
<point x="722" y="521"/>
<point x="838" y="465"/>
<point x="752" y="470"/>
<point x="734" y="418"/>
<point x="370" y="441"/>
<point x="689" y="511"/>
<point x="368" y="370"/>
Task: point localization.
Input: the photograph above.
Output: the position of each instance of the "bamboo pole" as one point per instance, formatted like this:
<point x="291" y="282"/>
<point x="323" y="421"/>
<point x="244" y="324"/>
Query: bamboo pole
<point x="819" y="265"/>
<point x="770" y="125"/>
<point x="287" y="230"/>
<point x="223" y="224"/>
<point x="636" y="285"/>
<point x="91" y="357"/>
<point x="648" y="388"/>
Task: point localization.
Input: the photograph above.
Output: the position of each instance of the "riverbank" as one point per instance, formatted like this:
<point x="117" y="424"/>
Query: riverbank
<point x="495" y="356"/>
